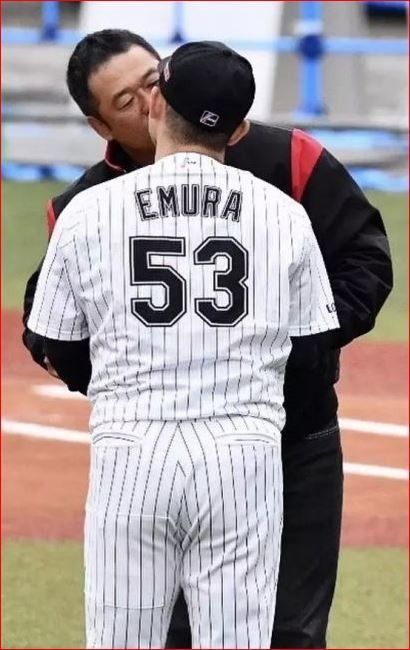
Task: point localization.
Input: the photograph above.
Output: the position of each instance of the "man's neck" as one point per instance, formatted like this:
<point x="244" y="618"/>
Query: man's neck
<point x="140" y="157"/>
<point x="168" y="148"/>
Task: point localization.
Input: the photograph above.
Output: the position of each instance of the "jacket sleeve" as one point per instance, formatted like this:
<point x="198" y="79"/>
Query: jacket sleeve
<point x="350" y="233"/>
<point x="32" y="341"/>
<point x="74" y="369"/>
<point x="33" y="279"/>
<point x="71" y="360"/>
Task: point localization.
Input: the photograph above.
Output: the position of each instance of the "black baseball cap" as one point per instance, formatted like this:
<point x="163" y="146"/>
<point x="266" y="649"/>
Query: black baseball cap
<point x="209" y="85"/>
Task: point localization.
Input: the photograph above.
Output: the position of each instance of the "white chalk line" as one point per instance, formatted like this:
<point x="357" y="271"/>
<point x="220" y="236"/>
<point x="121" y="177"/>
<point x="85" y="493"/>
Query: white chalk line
<point x="13" y="427"/>
<point x="376" y="428"/>
<point x="59" y="392"/>
<point x="346" y="424"/>
<point x="378" y="471"/>
<point x="44" y="432"/>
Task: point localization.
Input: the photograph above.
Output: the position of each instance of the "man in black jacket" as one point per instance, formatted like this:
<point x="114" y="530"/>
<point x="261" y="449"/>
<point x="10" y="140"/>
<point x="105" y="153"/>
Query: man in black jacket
<point x="110" y="76"/>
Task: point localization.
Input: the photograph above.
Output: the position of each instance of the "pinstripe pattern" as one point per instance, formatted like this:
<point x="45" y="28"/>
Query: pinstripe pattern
<point x="208" y="519"/>
<point x="189" y="370"/>
<point x="186" y="484"/>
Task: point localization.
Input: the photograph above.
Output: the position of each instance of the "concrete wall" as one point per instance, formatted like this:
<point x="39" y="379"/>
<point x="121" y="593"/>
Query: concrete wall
<point x="224" y="21"/>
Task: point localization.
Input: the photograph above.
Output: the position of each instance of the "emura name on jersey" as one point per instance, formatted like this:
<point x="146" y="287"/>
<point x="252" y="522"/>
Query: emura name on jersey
<point x="188" y="201"/>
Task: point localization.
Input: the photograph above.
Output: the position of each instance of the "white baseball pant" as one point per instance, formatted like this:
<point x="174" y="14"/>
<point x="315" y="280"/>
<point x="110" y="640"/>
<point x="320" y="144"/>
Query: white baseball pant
<point x="183" y="506"/>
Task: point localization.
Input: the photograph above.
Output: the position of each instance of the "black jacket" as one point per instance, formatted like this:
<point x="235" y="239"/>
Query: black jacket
<point x="350" y="234"/>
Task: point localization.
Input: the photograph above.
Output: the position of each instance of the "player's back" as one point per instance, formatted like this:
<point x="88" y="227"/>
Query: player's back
<point x="184" y="270"/>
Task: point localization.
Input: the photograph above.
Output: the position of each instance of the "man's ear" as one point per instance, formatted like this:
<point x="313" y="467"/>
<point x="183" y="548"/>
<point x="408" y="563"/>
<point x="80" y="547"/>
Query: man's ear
<point x="156" y="103"/>
<point x="239" y="133"/>
<point x="100" y="127"/>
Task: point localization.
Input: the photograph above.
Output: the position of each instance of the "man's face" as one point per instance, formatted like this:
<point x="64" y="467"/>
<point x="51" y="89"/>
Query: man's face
<point x="121" y="89"/>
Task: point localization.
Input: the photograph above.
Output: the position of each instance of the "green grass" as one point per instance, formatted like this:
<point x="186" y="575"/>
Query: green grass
<point x="43" y="605"/>
<point x="370" y="609"/>
<point x="24" y="240"/>
<point x="24" y="235"/>
<point x="42" y="595"/>
<point x="392" y="323"/>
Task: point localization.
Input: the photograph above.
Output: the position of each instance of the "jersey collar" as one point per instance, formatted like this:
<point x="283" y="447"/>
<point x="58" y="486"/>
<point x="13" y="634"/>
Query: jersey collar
<point x="117" y="159"/>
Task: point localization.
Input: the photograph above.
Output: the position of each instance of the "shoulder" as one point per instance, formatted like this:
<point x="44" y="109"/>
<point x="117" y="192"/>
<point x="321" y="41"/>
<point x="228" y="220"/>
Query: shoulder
<point x="102" y="197"/>
<point x="90" y="196"/>
<point x="282" y="157"/>
<point x="305" y="153"/>
<point x="263" y="135"/>
<point x="275" y="196"/>
<point x="281" y="139"/>
<point x="264" y="151"/>
<point x="95" y="175"/>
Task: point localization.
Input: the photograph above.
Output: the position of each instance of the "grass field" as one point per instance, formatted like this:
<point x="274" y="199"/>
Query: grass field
<point x="24" y="241"/>
<point x="42" y="593"/>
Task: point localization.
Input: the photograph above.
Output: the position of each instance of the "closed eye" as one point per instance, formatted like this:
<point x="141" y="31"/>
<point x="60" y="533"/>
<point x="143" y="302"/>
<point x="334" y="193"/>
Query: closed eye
<point x="127" y="103"/>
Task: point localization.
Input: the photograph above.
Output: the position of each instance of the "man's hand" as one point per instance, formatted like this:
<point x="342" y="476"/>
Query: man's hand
<point x="51" y="371"/>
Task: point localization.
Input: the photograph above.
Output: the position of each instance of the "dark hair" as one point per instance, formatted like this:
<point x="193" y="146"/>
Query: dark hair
<point x="185" y="132"/>
<point x="93" y="51"/>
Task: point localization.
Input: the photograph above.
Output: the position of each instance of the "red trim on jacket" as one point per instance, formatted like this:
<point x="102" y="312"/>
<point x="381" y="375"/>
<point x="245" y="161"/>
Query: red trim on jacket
<point x="51" y="217"/>
<point x="109" y="155"/>
<point x="305" y="152"/>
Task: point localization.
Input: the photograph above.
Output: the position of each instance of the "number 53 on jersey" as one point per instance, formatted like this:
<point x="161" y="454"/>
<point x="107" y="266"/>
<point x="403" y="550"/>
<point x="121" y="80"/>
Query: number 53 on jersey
<point x="232" y="281"/>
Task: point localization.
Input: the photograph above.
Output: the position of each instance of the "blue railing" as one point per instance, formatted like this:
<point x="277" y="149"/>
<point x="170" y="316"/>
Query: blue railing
<point x="309" y="43"/>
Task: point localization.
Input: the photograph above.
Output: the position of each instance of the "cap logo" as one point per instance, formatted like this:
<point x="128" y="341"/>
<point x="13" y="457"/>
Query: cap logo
<point x="209" y="119"/>
<point x="167" y="71"/>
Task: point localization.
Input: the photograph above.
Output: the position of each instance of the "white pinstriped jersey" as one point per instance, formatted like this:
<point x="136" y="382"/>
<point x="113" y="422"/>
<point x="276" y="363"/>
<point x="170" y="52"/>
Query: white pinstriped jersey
<point x="189" y="277"/>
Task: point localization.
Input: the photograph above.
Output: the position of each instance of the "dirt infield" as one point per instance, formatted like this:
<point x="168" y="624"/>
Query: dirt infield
<point x="44" y="481"/>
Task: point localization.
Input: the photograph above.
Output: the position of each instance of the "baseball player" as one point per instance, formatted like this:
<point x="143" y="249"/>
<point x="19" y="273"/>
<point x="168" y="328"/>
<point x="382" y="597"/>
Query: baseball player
<point x="189" y="277"/>
<point x="110" y="76"/>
